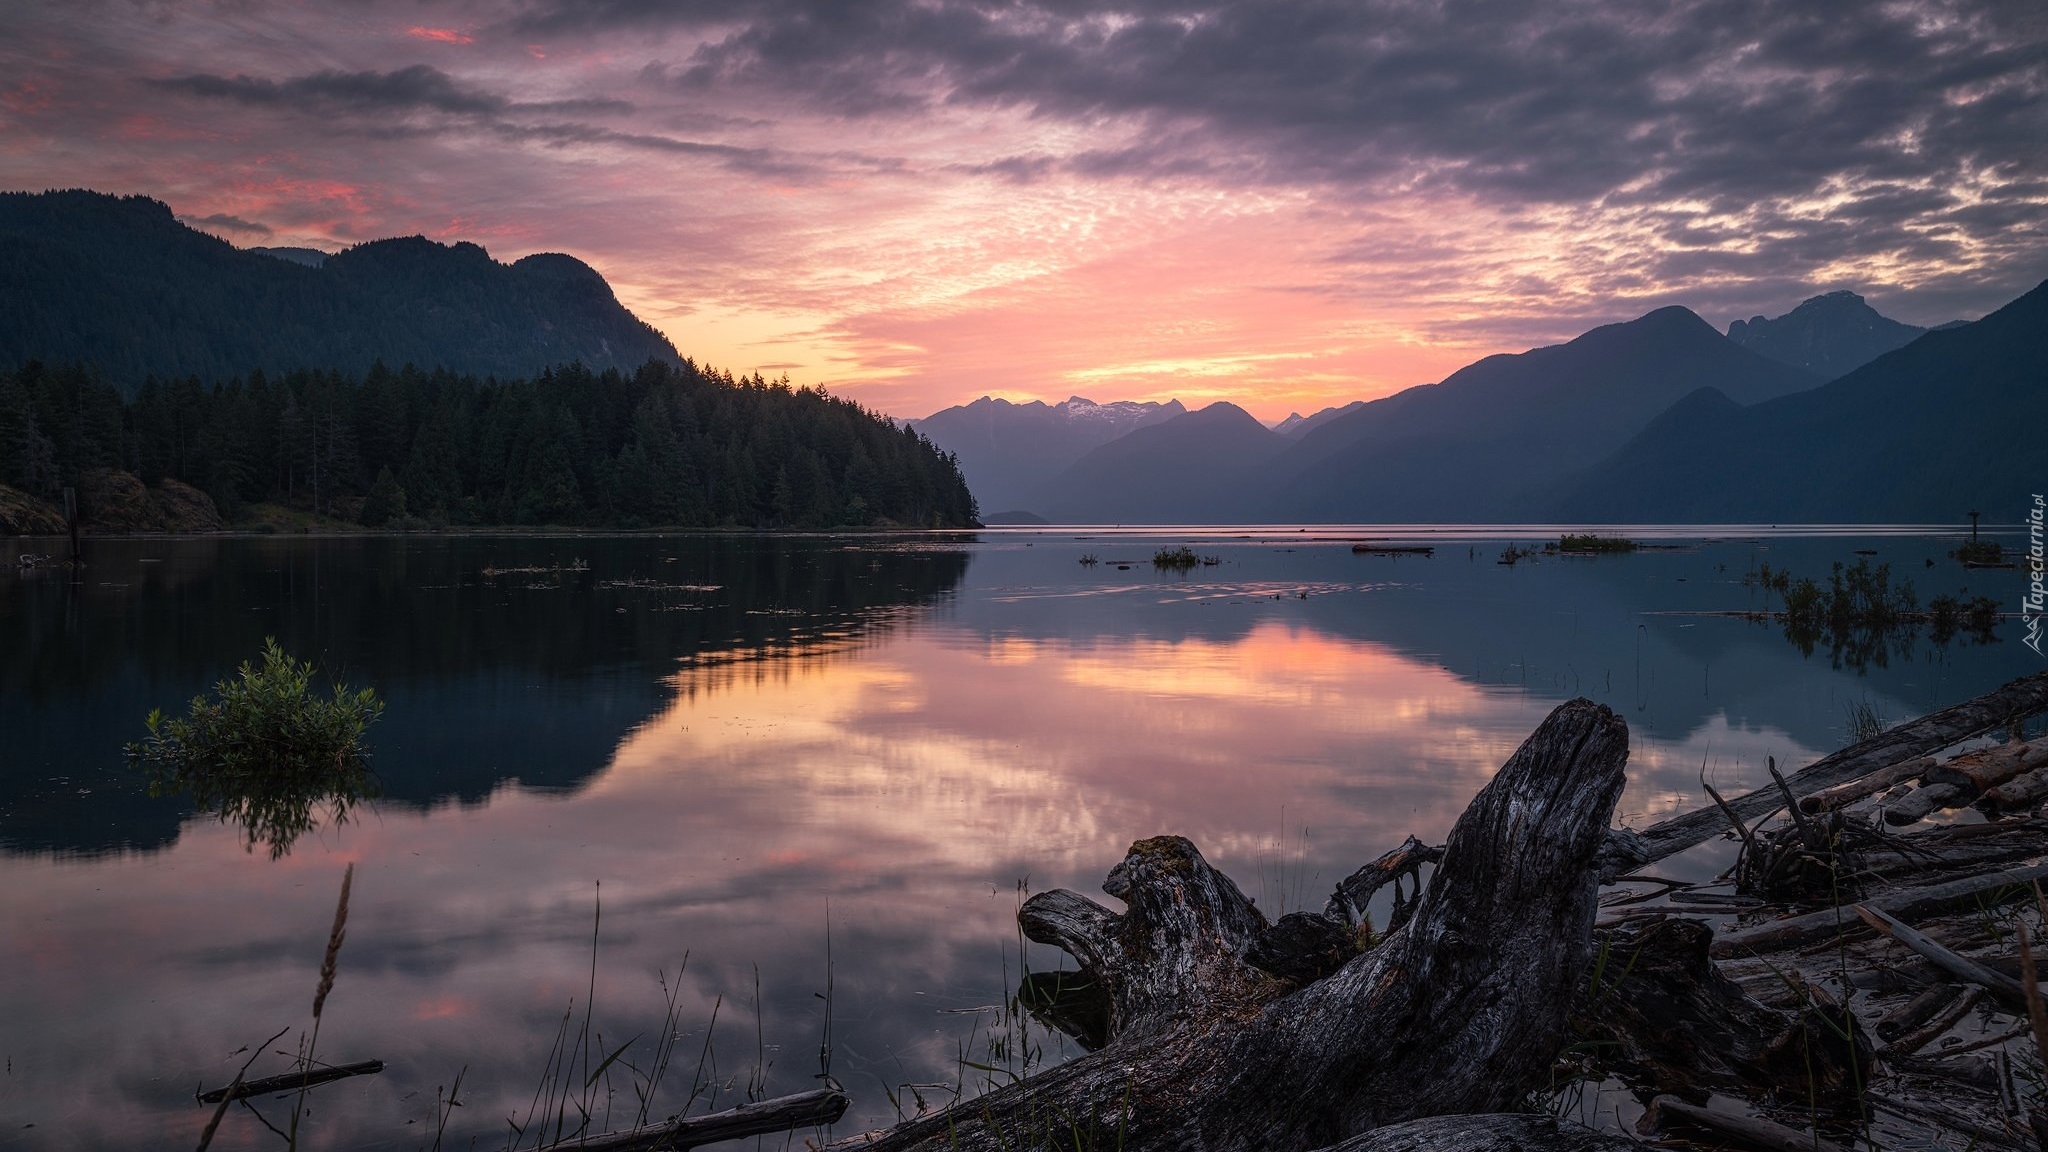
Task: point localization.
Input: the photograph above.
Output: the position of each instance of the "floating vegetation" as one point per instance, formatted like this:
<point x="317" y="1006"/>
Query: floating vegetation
<point x="1088" y="560"/>
<point x="1980" y="554"/>
<point x="1182" y="559"/>
<point x="265" y="752"/>
<point x="577" y="565"/>
<point x="1514" y="554"/>
<point x="643" y="584"/>
<point x="1588" y="544"/>
<point x="1861" y="615"/>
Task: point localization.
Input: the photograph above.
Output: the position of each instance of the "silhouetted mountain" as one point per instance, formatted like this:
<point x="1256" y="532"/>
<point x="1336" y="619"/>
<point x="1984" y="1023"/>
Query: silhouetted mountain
<point x="310" y="257"/>
<point x="1828" y="335"/>
<point x="1009" y="451"/>
<point x="1925" y="433"/>
<point x="1198" y="467"/>
<point x="119" y="284"/>
<point x="1495" y="439"/>
<point x="1296" y="425"/>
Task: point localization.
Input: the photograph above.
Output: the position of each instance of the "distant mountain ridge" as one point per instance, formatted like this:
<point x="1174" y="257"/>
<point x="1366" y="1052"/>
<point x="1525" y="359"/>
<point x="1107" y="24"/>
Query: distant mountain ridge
<point x="118" y="283"/>
<point x="1490" y="440"/>
<point x="1199" y="466"/>
<point x="1296" y="425"/>
<point x="1923" y="433"/>
<point x="1009" y="451"/>
<point x="1830" y="335"/>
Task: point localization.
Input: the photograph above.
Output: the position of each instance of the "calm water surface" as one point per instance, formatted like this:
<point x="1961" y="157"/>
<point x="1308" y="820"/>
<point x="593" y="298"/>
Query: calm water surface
<point x="809" y="765"/>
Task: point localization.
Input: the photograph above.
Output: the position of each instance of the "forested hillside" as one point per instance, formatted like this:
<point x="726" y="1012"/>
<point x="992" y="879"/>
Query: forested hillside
<point x="118" y="284"/>
<point x="664" y="445"/>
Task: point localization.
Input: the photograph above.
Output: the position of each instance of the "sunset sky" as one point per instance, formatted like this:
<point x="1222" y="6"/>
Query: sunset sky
<point x="1285" y="203"/>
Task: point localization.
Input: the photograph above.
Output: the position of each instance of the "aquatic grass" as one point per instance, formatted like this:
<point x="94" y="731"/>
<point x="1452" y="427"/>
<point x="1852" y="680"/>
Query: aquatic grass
<point x="330" y="961"/>
<point x="1864" y="721"/>
<point x="573" y="1097"/>
<point x="1182" y="559"/>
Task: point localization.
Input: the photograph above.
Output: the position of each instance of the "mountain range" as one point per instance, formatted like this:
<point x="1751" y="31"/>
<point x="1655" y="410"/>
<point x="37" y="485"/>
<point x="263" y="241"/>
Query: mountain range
<point x="1922" y="434"/>
<point x="1829" y="335"/>
<point x="1830" y="412"/>
<point x="119" y="284"/>
<point x="1007" y="450"/>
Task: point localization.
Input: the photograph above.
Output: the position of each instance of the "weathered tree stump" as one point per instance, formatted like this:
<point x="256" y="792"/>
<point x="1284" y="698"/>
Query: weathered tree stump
<point x="1461" y="1010"/>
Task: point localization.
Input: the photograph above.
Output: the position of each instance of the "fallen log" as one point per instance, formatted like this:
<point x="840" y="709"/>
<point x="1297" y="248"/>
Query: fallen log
<point x="1921" y="802"/>
<point x="1460" y="1011"/>
<point x="761" y="1118"/>
<point x="2007" y="989"/>
<point x="291" y="1081"/>
<point x="1493" y="1132"/>
<point x="1986" y="768"/>
<point x="1947" y="1016"/>
<point x="2020" y="792"/>
<point x="1931" y="733"/>
<point x="1753" y="1130"/>
<point x="1911" y="903"/>
<point x="1913" y="1013"/>
<point x="1843" y="795"/>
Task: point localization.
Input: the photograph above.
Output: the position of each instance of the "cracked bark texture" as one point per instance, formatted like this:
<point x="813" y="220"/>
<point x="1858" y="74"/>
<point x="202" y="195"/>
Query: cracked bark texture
<point x="1462" y="1010"/>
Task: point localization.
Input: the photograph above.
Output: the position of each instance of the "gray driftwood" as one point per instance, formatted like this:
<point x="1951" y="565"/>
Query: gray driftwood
<point x="760" y="1118"/>
<point x="1460" y="1011"/>
<point x="1492" y="1132"/>
<point x="1931" y="733"/>
<point x="1908" y="903"/>
<point x="1752" y="1130"/>
<point x="1843" y="795"/>
<point x="1961" y="967"/>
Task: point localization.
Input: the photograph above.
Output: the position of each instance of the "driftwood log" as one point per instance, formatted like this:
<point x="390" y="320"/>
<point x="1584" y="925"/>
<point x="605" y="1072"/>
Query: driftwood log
<point x="291" y="1081"/>
<point x="759" y="1118"/>
<point x="1461" y="1010"/>
<point x="1929" y="734"/>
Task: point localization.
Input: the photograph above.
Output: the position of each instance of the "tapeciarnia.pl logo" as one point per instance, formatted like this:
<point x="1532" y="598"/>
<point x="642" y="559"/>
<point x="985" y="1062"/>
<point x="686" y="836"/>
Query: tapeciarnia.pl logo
<point x="2036" y="601"/>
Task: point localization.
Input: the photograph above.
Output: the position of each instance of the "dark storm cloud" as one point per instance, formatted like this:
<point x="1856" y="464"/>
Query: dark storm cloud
<point x="421" y="100"/>
<point x="1736" y="105"/>
<point x="418" y="88"/>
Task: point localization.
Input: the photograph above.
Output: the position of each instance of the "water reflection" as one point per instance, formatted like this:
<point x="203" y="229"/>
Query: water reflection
<point x="870" y="744"/>
<point x="523" y="660"/>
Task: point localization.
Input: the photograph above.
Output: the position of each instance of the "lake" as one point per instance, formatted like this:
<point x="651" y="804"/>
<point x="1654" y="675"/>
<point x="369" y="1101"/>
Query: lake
<point x="777" y="799"/>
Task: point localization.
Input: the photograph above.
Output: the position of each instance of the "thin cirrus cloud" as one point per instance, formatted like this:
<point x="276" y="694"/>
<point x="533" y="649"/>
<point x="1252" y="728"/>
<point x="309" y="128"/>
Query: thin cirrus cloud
<point x="1282" y="202"/>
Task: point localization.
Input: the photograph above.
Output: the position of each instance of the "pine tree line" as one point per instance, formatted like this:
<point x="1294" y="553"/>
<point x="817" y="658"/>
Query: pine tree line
<point x="665" y="445"/>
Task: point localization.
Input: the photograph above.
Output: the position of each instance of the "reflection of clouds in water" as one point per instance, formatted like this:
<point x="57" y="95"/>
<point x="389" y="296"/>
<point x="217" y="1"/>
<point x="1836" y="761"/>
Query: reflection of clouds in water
<point x="1190" y="591"/>
<point x="909" y="782"/>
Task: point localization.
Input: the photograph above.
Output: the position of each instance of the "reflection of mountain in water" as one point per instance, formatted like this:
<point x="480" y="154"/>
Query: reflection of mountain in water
<point x="1630" y="631"/>
<point x="502" y="660"/>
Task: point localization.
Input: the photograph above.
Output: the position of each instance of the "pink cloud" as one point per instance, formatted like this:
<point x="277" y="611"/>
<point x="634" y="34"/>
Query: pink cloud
<point x="440" y="35"/>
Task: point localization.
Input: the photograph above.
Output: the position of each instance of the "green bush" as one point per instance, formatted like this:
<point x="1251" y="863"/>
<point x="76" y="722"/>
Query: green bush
<point x="265" y="751"/>
<point x="1587" y="542"/>
<point x="1178" y="559"/>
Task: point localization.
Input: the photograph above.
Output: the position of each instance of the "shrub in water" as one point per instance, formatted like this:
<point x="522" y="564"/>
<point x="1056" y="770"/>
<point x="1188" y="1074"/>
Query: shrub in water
<point x="264" y="751"/>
